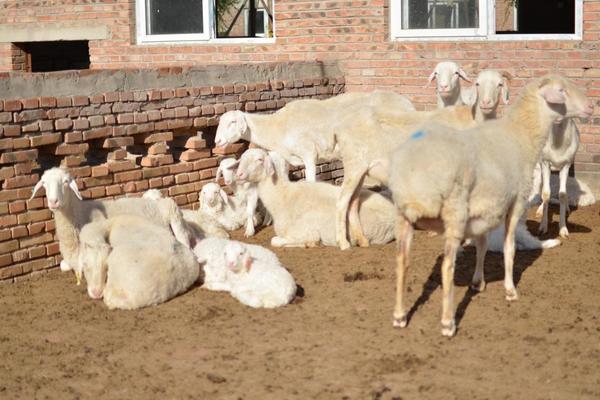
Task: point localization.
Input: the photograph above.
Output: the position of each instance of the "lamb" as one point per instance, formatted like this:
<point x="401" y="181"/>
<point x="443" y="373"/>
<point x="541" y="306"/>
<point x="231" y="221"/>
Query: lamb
<point x="71" y="213"/>
<point x="200" y="223"/>
<point x="252" y="274"/>
<point x="131" y="262"/>
<point x="216" y="203"/>
<point x="300" y="132"/>
<point x="465" y="183"/>
<point x="558" y="154"/>
<point x="245" y="196"/>
<point x="489" y="87"/>
<point x="310" y="220"/>
<point x="447" y="75"/>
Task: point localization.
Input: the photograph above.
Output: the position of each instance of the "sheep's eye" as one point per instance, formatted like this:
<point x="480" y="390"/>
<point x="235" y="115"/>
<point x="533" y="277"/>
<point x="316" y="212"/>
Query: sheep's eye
<point x="476" y="83"/>
<point x="500" y="84"/>
<point x="456" y="73"/>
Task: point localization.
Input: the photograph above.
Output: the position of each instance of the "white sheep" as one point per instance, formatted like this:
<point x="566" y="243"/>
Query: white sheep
<point x="199" y="222"/>
<point x="303" y="212"/>
<point x="465" y="183"/>
<point x="447" y="75"/>
<point x="216" y="203"/>
<point x="245" y="196"/>
<point x="131" y="262"/>
<point x="300" y="132"/>
<point x="489" y="88"/>
<point x="252" y="274"/>
<point x="558" y="154"/>
<point x="71" y="212"/>
<point x="580" y="194"/>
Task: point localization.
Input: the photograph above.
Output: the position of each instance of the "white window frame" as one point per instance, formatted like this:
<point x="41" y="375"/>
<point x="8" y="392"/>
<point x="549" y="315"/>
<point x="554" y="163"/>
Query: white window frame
<point x="486" y="30"/>
<point x="209" y="36"/>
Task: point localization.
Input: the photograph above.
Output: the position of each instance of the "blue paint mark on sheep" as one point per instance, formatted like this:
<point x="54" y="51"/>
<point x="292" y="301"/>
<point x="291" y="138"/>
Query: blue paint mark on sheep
<point x="417" y="135"/>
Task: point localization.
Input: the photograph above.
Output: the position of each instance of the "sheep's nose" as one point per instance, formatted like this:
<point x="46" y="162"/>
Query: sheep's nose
<point x="444" y="87"/>
<point x="589" y="107"/>
<point x="241" y="175"/>
<point x="486" y="102"/>
<point x="53" y="203"/>
<point x="96" y="293"/>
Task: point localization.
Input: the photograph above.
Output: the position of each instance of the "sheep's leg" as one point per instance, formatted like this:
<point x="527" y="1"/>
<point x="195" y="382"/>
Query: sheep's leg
<point x="180" y="232"/>
<point x="352" y="181"/>
<point x="563" y="197"/>
<point x="278" y="241"/>
<point x="251" y="203"/>
<point x="310" y="167"/>
<point x="355" y="227"/>
<point x="448" y="309"/>
<point x="545" y="198"/>
<point x="478" y="281"/>
<point x="404" y="236"/>
<point x="512" y="219"/>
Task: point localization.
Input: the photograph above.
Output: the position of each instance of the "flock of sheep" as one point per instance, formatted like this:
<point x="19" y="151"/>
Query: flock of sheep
<point x="457" y="170"/>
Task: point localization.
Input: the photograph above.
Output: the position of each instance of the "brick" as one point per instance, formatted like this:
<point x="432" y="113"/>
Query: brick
<point x="158" y="148"/>
<point x="12" y="271"/>
<point x="191" y="154"/>
<point x="154" y="172"/>
<point x="126" y="96"/>
<point x="18" y="156"/>
<point x="63" y="102"/>
<point x="30" y="115"/>
<point x="111" y="97"/>
<point x="153" y="115"/>
<point x="46" y="237"/>
<point x="34" y="216"/>
<point x="200" y="122"/>
<point x="46" y="125"/>
<point x="36" y="252"/>
<point x="101" y="181"/>
<point x="32" y="127"/>
<point x="30" y="103"/>
<point x="5" y="259"/>
<point x="195" y="143"/>
<point x="110" y="143"/>
<point x="80" y="101"/>
<point x="156" y="137"/>
<point x="140" y="96"/>
<point x="17" y="206"/>
<point x="47" y="102"/>
<point x="155" y="183"/>
<point x="84" y="123"/>
<point x="45" y="139"/>
<point x="32" y="204"/>
<point x="233" y="148"/>
<point x="71" y="161"/>
<point x="63" y="124"/>
<point x="5" y="234"/>
<point x="141" y="185"/>
<point x="6" y="144"/>
<point x="207" y="163"/>
<point x="64" y="149"/>
<point x="7" y="247"/>
<point x="116" y="166"/>
<point x="96" y="99"/>
<point x="118" y="154"/>
<point x="8" y="220"/>
<point x="73" y="137"/>
<point x="12" y="105"/>
<point x="5" y="117"/>
<point x="180" y="123"/>
<point x="52" y="249"/>
<point x="167" y="93"/>
<point x="6" y="172"/>
<point x="18" y="232"/>
<point x="97" y="133"/>
<point x="110" y="119"/>
<point x="12" y="130"/>
<point x="20" y="143"/>
<point x="20" y="181"/>
<point x="157" y="160"/>
<point x="181" y="112"/>
<point x="25" y="167"/>
<point x="100" y="170"/>
<point x="113" y="190"/>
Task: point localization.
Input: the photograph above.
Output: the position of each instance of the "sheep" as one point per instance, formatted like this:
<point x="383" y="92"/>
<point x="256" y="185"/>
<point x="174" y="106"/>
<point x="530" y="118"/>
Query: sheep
<point x="303" y="212"/>
<point x="71" y="212"/>
<point x="300" y="132"/>
<point x="131" y="262"/>
<point x="490" y="86"/>
<point x="580" y="194"/>
<point x="465" y="183"/>
<point x="244" y="196"/>
<point x="558" y="154"/>
<point x="447" y="75"/>
<point x="366" y="138"/>
<point x="252" y="274"/>
<point x="200" y="223"/>
<point x="216" y="203"/>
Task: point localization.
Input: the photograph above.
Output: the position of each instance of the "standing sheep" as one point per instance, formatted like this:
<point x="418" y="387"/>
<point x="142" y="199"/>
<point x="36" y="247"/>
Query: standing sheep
<point x="134" y="263"/>
<point x="490" y="86"/>
<point x="447" y="75"/>
<point x="465" y="183"/>
<point x="252" y="274"/>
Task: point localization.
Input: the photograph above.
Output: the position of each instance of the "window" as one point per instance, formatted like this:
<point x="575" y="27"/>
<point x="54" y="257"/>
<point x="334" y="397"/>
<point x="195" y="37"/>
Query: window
<point x="203" y="20"/>
<point x="487" y="19"/>
<point x="54" y="56"/>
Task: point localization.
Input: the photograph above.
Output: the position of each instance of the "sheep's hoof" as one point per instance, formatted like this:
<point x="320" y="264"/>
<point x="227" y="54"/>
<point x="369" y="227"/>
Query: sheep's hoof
<point x="363" y="242"/>
<point x="400" y="322"/>
<point x="343" y="244"/>
<point x="448" y="328"/>
<point x="249" y="233"/>
<point x="564" y="232"/>
<point x="78" y="277"/>
<point x="512" y="295"/>
<point x="432" y="233"/>
<point x="478" y="286"/>
<point x="276" y="241"/>
<point x="64" y="266"/>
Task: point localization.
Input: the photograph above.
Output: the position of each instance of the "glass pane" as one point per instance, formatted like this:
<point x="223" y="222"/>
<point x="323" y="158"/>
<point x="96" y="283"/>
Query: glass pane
<point x="244" y="18"/>
<point x="174" y="16"/>
<point x="535" y="16"/>
<point x="440" y="14"/>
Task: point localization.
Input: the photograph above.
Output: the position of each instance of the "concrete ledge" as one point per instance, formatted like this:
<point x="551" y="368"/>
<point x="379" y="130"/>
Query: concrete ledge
<point x="19" y="85"/>
<point x="45" y="33"/>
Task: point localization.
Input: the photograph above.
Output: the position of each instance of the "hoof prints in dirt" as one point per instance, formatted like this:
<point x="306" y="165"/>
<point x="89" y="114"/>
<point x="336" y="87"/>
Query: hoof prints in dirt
<point x="361" y="276"/>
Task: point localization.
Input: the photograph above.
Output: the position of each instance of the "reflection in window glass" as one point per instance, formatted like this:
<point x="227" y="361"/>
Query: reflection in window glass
<point x="166" y="17"/>
<point x="244" y="18"/>
<point x="440" y="14"/>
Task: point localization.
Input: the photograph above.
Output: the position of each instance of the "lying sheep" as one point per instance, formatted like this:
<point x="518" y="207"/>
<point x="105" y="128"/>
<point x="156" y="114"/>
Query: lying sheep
<point x="216" y="203"/>
<point x="580" y="194"/>
<point x="465" y="183"/>
<point x="252" y="274"/>
<point x="245" y="196"/>
<point x="71" y="212"/>
<point x="447" y="75"/>
<point x="131" y="262"/>
<point x="300" y="132"/>
<point x="200" y="223"/>
<point x="303" y="212"/>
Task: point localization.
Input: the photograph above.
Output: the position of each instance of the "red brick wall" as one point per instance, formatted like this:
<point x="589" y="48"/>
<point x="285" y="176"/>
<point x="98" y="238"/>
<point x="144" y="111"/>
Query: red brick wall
<point x="170" y="129"/>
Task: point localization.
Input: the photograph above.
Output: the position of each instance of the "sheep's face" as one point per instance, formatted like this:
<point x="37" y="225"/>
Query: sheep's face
<point x="56" y="181"/>
<point x="152" y="194"/>
<point x="227" y="169"/>
<point x="490" y="86"/>
<point x="237" y="257"/>
<point x="447" y="75"/>
<point x="232" y="127"/>
<point x="255" y="166"/>
<point x="93" y="262"/>
<point x="212" y="196"/>
<point x="564" y="98"/>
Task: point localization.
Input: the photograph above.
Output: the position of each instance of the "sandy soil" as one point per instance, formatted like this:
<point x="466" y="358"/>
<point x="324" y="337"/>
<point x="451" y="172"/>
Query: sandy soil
<point x="337" y="342"/>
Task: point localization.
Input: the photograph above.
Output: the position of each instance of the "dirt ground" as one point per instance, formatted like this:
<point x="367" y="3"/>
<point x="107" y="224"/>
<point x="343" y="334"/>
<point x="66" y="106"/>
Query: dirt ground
<point x="337" y="342"/>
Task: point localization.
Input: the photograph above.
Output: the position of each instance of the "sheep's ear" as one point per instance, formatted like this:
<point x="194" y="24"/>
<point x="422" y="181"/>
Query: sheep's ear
<point x="463" y="75"/>
<point x="506" y="75"/>
<point x="37" y="187"/>
<point x="269" y="167"/>
<point x="73" y="186"/>
<point x="469" y="95"/>
<point x="242" y="122"/>
<point x="431" y="78"/>
<point x="552" y="94"/>
<point x="234" y="165"/>
<point x="218" y="174"/>
<point x="224" y="196"/>
<point x="504" y="91"/>
<point x="248" y="262"/>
